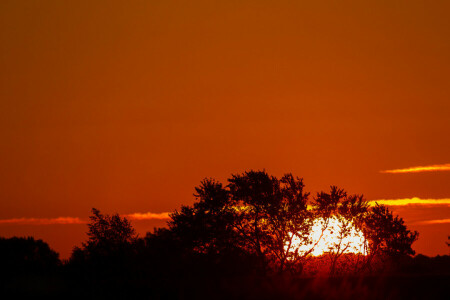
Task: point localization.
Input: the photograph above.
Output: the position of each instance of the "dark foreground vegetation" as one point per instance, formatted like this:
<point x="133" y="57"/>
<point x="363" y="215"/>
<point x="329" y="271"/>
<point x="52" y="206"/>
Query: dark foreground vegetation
<point x="250" y="239"/>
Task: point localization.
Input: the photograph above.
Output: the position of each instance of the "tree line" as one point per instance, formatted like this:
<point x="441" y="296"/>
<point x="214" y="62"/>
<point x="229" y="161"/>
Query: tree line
<point x="257" y="225"/>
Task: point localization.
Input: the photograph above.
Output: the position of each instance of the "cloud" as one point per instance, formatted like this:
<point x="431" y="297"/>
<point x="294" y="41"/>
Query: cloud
<point x="411" y="201"/>
<point x="42" y="221"/>
<point x="431" y="168"/>
<point x="431" y="222"/>
<point x="148" y="216"/>
<point x="76" y="220"/>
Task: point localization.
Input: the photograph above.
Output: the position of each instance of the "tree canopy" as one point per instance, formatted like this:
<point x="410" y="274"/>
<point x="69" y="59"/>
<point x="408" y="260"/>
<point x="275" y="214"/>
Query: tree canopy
<point x="19" y="255"/>
<point x="272" y="219"/>
<point x="255" y="233"/>
<point x="267" y="224"/>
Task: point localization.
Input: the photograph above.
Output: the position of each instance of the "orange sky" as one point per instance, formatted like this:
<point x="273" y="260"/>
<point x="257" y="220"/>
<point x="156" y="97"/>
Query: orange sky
<point x="127" y="106"/>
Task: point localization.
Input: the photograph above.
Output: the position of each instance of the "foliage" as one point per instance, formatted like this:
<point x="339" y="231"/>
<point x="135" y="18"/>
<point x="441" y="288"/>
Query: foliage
<point x="387" y="235"/>
<point x="19" y="255"/>
<point x="350" y="212"/>
<point x="207" y="226"/>
<point x="109" y="248"/>
<point x="263" y="222"/>
<point x="262" y="216"/>
<point x="251" y="238"/>
<point x="271" y="212"/>
<point x="108" y="233"/>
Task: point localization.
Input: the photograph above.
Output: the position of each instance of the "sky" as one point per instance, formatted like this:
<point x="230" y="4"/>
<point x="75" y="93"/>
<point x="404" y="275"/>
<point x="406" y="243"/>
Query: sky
<point x="127" y="106"/>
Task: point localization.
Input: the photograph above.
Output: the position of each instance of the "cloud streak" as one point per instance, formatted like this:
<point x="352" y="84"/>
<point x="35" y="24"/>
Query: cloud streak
<point x="42" y="221"/>
<point x="411" y="201"/>
<point x="419" y="169"/>
<point x="166" y="215"/>
<point x="432" y="222"/>
<point x="148" y="216"/>
<point x="76" y="220"/>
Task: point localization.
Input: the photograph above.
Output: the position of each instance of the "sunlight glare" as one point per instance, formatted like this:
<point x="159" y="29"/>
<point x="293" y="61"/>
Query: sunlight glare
<point x="327" y="242"/>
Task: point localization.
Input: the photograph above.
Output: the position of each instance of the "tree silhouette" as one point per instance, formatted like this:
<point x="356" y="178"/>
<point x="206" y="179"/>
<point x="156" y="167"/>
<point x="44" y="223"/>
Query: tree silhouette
<point x="348" y="210"/>
<point x="108" y="234"/>
<point x="257" y="222"/>
<point x="20" y="256"/>
<point x="250" y="238"/>
<point x="387" y="235"/>
<point x="262" y="216"/>
<point x="205" y="234"/>
<point x="271" y="213"/>
<point x="255" y="214"/>
<point x="110" y="245"/>
<point x="207" y="226"/>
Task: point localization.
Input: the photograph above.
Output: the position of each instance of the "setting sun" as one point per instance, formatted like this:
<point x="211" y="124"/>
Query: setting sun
<point x="330" y="237"/>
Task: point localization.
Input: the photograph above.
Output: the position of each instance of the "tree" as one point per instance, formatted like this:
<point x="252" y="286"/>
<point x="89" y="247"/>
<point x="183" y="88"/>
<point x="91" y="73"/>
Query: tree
<point x="387" y="235"/>
<point x="256" y="215"/>
<point x="262" y="217"/>
<point x="19" y="256"/>
<point x="108" y="234"/>
<point x="348" y="213"/>
<point x="271" y="214"/>
<point x="269" y="219"/>
<point x="207" y="226"/>
<point x="204" y="235"/>
<point x="110" y="244"/>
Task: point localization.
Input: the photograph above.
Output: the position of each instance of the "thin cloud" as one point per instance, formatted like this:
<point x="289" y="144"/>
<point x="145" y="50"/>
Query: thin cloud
<point x="148" y="216"/>
<point x="411" y="201"/>
<point x="431" y="168"/>
<point x="431" y="222"/>
<point x="42" y="221"/>
<point x="76" y="220"/>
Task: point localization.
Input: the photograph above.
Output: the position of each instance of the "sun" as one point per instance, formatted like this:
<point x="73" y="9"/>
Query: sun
<point x="326" y="238"/>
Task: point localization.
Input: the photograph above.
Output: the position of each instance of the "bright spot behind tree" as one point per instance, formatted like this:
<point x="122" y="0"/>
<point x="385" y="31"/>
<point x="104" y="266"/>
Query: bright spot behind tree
<point x="326" y="238"/>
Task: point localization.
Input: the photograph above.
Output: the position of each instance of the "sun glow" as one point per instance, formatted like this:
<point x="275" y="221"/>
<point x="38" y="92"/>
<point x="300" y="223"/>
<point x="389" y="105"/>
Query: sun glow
<point x="327" y="238"/>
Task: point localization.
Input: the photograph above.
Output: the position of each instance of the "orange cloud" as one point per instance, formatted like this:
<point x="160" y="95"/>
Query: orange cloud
<point x="76" y="220"/>
<point x="411" y="201"/>
<point x="431" y="168"/>
<point x="148" y="216"/>
<point x="431" y="222"/>
<point x="43" y="221"/>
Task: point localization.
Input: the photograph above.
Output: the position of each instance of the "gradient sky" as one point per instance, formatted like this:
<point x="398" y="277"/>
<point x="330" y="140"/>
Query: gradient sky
<point x="126" y="106"/>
